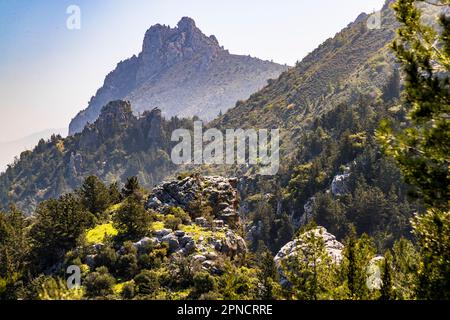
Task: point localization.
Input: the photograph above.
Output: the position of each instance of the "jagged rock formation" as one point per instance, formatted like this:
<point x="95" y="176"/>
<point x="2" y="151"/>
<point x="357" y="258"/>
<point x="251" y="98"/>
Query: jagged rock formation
<point x="184" y="73"/>
<point x="339" y="184"/>
<point x="219" y="193"/>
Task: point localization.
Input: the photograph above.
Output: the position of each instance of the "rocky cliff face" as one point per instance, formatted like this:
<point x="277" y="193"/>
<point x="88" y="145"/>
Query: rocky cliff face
<point x="184" y="73"/>
<point x="195" y="193"/>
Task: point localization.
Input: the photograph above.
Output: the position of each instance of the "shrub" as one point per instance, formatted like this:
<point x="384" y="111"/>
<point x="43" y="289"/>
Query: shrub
<point x="99" y="283"/>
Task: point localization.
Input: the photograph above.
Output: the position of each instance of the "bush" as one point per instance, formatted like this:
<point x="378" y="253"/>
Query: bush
<point x="128" y="291"/>
<point x="179" y="213"/>
<point x="204" y="283"/>
<point x="172" y="222"/>
<point x="107" y="257"/>
<point x="147" y="282"/>
<point x="99" y="283"/>
<point x="127" y="266"/>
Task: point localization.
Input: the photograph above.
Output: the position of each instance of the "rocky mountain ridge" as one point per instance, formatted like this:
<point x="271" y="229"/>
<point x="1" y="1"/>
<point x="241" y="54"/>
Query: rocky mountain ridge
<point x="184" y="73"/>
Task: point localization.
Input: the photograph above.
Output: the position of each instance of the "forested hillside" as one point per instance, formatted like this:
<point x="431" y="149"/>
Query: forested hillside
<point x="118" y="145"/>
<point x="358" y="210"/>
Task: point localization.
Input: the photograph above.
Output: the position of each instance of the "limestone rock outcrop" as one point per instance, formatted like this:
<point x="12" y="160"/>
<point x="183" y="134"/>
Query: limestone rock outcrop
<point x="333" y="247"/>
<point x="219" y="193"/>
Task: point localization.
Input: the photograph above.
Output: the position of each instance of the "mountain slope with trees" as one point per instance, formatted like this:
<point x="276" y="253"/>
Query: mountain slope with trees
<point x="381" y="192"/>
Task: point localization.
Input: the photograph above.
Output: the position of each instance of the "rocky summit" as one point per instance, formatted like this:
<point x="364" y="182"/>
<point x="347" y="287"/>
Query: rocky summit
<point x="184" y="73"/>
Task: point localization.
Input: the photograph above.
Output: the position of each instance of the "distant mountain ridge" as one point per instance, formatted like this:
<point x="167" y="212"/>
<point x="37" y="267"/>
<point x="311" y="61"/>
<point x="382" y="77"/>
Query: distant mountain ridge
<point x="11" y="149"/>
<point x="184" y="73"/>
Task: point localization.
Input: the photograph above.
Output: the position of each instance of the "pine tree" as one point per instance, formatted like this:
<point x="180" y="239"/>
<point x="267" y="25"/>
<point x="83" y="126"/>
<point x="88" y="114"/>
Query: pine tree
<point x="132" y="188"/>
<point x="94" y="195"/>
<point x="422" y="148"/>
<point x="59" y="224"/>
<point x="114" y="193"/>
<point x="310" y="272"/>
<point x="357" y="256"/>
<point x="387" y="287"/>
<point x="131" y="220"/>
<point x="268" y="277"/>
<point x="14" y="249"/>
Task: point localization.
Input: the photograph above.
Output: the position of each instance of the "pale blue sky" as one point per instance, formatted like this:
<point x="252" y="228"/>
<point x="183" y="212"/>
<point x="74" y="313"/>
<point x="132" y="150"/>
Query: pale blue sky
<point x="48" y="73"/>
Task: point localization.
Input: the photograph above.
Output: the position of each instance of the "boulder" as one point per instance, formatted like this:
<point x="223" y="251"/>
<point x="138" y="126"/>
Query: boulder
<point x="232" y="244"/>
<point x="172" y="240"/>
<point x="190" y="247"/>
<point x="141" y="244"/>
<point x="90" y="260"/>
<point x="185" y="240"/>
<point x="97" y="247"/>
<point x="218" y="224"/>
<point x="333" y="247"/>
<point x="199" y="258"/>
<point x="161" y="233"/>
<point x="339" y="184"/>
<point x="180" y="233"/>
<point x="374" y="280"/>
<point x="200" y="221"/>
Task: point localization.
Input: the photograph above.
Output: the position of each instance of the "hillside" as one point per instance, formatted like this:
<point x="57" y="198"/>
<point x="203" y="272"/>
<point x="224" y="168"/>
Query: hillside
<point x="336" y="222"/>
<point x="182" y="72"/>
<point x="116" y="146"/>
<point x="355" y="61"/>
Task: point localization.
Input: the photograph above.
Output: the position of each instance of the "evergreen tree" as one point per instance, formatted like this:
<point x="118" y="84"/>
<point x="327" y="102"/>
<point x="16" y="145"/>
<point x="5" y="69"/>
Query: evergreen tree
<point x="357" y="256"/>
<point x="310" y="273"/>
<point x="114" y="193"/>
<point x="59" y="224"/>
<point x="405" y="263"/>
<point x="94" y="195"/>
<point x="268" y="277"/>
<point x="433" y="234"/>
<point x="387" y="286"/>
<point x="422" y="148"/>
<point x="14" y="249"/>
<point x="132" y="188"/>
<point x="131" y="220"/>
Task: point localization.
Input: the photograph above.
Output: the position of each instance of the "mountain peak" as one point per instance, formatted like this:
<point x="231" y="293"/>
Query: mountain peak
<point x="182" y="71"/>
<point x="186" y="24"/>
<point x="164" y="47"/>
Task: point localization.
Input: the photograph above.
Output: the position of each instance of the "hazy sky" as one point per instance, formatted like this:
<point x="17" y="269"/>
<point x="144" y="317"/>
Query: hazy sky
<point x="48" y="73"/>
